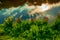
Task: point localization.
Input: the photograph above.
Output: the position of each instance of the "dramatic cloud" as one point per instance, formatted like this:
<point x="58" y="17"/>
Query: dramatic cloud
<point x="31" y="10"/>
<point x="44" y="7"/>
<point x="28" y="11"/>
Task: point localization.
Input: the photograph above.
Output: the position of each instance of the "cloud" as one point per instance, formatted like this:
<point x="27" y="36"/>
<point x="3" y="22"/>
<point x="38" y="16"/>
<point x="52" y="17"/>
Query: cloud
<point x="14" y="14"/>
<point x="9" y="11"/>
<point x="31" y="10"/>
<point x="45" y="7"/>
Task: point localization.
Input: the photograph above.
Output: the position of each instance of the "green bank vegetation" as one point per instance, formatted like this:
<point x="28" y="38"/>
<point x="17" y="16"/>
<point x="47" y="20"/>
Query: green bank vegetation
<point x="30" y="29"/>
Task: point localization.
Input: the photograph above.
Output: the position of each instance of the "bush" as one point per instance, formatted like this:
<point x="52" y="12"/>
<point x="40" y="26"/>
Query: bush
<point x="28" y="30"/>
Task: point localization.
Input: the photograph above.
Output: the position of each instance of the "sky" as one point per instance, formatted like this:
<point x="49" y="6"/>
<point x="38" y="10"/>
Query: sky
<point x="10" y="8"/>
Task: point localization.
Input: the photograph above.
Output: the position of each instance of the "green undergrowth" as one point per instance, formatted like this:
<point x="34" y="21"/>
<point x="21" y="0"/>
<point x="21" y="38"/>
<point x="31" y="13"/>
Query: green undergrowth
<point x="30" y="29"/>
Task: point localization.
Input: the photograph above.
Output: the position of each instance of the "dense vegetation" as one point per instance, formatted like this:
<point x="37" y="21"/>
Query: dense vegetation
<point x="30" y="29"/>
<point x="15" y="3"/>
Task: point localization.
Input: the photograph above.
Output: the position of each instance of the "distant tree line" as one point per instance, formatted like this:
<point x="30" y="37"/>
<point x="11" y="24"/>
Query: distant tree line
<point x="15" y="3"/>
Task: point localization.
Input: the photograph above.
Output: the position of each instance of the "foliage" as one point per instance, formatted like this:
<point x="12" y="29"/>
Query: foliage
<point x="30" y="30"/>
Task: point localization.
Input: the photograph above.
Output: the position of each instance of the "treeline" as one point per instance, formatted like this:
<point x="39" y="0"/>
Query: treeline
<point x="30" y="29"/>
<point x="15" y="3"/>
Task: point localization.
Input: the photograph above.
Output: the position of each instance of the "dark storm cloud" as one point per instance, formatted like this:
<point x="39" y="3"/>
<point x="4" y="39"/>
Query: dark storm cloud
<point x="10" y="3"/>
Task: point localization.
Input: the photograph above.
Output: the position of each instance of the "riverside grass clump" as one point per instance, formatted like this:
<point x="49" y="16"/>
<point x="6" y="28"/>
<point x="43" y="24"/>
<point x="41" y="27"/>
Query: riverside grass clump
<point x="30" y="29"/>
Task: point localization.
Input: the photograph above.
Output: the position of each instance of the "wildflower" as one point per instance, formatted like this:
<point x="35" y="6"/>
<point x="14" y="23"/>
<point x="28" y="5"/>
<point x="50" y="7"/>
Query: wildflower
<point x="18" y="20"/>
<point x="32" y="19"/>
<point x="46" y="18"/>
